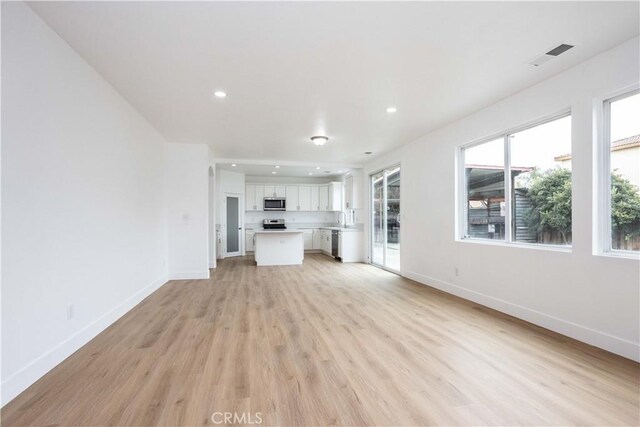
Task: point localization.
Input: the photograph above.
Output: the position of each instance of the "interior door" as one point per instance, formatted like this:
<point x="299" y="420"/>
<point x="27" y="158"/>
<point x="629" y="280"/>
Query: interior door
<point x="385" y="219"/>
<point x="233" y="225"/>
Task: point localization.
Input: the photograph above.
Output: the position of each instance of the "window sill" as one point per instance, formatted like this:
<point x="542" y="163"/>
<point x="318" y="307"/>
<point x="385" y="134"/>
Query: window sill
<point x="620" y="255"/>
<point x="539" y="247"/>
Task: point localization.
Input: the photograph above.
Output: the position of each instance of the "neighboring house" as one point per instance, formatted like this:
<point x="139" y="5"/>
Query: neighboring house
<point x="625" y="158"/>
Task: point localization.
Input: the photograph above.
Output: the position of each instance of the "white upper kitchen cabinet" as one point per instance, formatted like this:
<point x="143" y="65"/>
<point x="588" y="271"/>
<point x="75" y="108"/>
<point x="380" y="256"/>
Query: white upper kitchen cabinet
<point x="323" y="198"/>
<point x="275" y="191"/>
<point x="291" y="192"/>
<point x="348" y="192"/>
<point x="352" y="192"/>
<point x="250" y="197"/>
<point x="253" y="197"/>
<point x="309" y="197"/>
<point x="260" y="197"/>
<point x="315" y="201"/>
<point x="304" y="198"/>
<point x="335" y="197"/>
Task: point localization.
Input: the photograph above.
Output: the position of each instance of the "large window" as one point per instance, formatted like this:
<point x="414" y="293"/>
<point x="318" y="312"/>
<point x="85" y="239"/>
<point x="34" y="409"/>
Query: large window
<point x="534" y="204"/>
<point x="622" y="173"/>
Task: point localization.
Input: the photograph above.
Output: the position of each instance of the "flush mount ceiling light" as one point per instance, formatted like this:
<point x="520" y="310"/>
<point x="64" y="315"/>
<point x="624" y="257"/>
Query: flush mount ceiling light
<point x="319" y="140"/>
<point x="392" y="110"/>
<point x="220" y="94"/>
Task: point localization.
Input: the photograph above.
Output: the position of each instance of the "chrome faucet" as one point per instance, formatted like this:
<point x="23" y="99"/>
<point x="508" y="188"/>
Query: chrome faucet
<point x="342" y="214"/>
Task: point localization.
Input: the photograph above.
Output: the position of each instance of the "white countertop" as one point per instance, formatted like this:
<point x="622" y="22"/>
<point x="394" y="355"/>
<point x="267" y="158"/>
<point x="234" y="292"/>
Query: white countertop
<point x="279" y="231"/>
<point x="340" y="228"/>
<point x="302" y="227"/>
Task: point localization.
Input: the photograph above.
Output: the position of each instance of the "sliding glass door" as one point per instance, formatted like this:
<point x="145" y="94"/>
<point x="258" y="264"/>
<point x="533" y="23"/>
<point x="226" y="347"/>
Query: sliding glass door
<point x="385" y="218"/>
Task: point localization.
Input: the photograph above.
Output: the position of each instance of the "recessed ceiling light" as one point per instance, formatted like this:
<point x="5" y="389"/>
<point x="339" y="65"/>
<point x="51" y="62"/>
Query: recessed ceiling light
<point x="319" y="139"/>
<point x="318" y="168"/>
<point x="220" y="94"/>
<point x="392" y="110"/>
<point x="310" y="173"/>
<point x="234" y="165"/>
<point x="274" y="172"/>
<point x="277" y="167"/>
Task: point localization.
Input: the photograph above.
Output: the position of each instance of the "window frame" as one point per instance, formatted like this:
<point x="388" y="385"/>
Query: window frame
<point x="461" y="187"/>
<point x="603" y="176"/>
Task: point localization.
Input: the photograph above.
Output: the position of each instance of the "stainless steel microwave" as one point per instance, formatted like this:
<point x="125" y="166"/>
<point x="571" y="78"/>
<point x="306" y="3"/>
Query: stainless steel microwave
<point x="275" y="204"/>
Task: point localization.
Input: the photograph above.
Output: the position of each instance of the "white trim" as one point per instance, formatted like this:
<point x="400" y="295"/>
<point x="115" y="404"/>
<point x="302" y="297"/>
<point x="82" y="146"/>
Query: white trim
<point x="536" y="246"/>
<point x="506" y="181"/>
<point x="617" y="345"/>
<point x="189" y="275"/>
<point x="461" y="208"/>
<point x="34" y="370"/>
<point x="603" y="239"/>
<point x="631" y="255"/>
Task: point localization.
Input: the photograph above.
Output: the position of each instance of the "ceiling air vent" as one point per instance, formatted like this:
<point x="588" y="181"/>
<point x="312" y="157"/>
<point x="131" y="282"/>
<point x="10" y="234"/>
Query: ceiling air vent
<point x="541" y="59"/>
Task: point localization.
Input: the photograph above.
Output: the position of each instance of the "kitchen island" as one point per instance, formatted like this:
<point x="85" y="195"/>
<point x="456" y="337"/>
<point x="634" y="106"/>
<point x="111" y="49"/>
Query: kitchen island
<point x="279" y="247"/>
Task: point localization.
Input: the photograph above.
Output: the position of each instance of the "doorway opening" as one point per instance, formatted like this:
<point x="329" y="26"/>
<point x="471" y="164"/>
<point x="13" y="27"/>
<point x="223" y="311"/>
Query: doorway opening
<point x="233" y="225"/>
<point x="385" y="219"/>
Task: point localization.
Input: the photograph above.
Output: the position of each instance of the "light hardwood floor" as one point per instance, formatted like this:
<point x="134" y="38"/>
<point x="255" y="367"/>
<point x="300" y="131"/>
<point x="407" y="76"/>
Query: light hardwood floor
<point x="327" y="344"/>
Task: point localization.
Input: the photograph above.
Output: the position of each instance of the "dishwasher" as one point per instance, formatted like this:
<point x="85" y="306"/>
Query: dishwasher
<point x="335" y="243"/>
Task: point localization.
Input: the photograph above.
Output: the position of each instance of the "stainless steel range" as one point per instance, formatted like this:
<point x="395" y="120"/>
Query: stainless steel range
<point x="274" y="224"/>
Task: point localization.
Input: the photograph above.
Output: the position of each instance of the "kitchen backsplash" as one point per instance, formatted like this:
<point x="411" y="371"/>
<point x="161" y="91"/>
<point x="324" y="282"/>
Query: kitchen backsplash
<point x="292" y="217"/>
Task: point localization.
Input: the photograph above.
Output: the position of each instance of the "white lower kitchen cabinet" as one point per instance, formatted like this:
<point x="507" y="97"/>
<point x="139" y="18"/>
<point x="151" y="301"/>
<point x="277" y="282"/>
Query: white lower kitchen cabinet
<point x="308" y="239"/>
<point x="351" y="246"/>
<point x="325" y="245"/>
<point x="249" y="240"/>
<point x="317" y="239"/>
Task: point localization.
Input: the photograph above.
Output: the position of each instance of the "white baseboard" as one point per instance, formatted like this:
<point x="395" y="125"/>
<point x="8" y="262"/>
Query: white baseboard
<point x="34" y="370"/>
<point x="189" y="275"/>
<point x="599" y="339"/>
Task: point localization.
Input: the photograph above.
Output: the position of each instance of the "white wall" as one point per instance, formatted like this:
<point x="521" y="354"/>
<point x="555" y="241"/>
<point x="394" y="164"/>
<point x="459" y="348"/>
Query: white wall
<point x="591" y="298"/>
<point x="187" y="182"/>
<point x="82" y="201"/>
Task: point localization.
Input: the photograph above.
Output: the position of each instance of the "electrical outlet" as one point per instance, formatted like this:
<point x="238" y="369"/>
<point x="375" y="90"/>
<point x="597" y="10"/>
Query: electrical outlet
<point x="70" y="312"/>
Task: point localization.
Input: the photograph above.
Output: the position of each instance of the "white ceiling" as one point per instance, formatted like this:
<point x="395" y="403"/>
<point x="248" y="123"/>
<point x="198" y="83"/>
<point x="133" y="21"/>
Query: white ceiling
<point x="293" y="70"/>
